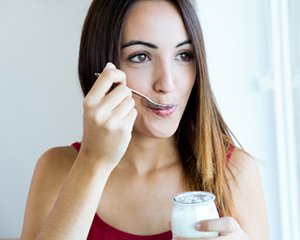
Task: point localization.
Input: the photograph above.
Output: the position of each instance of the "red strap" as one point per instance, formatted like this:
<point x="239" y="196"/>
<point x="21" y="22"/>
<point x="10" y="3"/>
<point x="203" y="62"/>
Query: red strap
<point x="76" y="145"/>
<point x="229" y="152"/>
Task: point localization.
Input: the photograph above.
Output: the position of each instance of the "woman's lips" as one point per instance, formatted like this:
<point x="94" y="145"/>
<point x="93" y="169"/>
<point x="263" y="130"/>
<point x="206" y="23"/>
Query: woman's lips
<point x="164" y="112"/>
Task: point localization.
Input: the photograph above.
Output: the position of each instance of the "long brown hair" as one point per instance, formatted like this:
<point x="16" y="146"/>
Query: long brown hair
<point x="202" y="136"/>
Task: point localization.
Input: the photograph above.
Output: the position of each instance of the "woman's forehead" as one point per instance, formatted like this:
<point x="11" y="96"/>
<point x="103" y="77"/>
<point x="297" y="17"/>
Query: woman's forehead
<point x="154" y="20"/>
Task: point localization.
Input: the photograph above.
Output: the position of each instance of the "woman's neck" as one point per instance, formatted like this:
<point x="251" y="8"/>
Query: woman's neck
<point x="146" y="155"/>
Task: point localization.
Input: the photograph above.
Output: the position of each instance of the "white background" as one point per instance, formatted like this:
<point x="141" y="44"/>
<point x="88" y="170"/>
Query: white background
<point x="41" y="101"/>
<point x="40" y="97"/>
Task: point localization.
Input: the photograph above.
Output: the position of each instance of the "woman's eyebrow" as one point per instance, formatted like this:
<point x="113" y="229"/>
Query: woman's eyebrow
<point x="183" y="43"/>
<point x="147" y="44"/>
<point x="134" y="42"/>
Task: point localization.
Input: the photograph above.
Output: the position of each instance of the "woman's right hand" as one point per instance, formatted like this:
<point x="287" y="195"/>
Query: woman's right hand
<point x="108" y="118"/>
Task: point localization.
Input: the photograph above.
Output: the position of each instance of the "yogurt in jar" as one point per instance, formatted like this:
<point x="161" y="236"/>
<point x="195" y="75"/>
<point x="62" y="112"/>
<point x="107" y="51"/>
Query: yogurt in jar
<point x="190" y="208"/>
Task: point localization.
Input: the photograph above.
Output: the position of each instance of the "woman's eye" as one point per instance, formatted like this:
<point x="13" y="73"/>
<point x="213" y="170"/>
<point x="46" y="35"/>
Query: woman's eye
<point x="184" y="56"/>
<point x="139" y="58"/>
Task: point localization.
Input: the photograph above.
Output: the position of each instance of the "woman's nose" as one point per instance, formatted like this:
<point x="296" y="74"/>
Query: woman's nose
<point x="164" y="78"/>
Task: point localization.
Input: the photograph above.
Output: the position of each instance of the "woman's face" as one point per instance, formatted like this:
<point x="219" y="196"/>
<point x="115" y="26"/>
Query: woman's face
<point x="157" y="57"/>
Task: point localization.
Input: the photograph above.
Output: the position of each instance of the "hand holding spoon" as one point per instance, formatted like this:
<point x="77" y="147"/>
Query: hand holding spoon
<point x="151" y="104"/>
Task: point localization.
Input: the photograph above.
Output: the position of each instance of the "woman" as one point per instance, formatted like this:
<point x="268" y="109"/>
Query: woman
<point x="133" y="159"/>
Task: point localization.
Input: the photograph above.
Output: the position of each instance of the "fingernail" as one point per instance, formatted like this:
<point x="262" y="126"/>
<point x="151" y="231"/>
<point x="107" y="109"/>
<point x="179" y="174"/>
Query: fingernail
<point x="109" y="65"/>
<point x="197" y="226"/>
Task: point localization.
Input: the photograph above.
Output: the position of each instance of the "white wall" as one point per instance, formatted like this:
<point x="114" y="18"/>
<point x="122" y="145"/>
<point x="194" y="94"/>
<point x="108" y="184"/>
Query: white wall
<point x="40" y="98"/>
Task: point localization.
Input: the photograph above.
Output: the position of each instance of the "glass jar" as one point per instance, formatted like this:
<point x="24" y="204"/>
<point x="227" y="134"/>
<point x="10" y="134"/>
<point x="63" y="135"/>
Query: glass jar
<point x="190" y="208"/>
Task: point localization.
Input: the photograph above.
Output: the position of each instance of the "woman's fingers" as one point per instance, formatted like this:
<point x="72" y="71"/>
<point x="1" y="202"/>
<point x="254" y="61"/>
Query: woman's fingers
<point x="228" y="228"/>
<point x="115" y="97"/>
<point x="222" y="225"/>
<point x="108" y="118"/>
<point x="103" y="83"/>
<point x="130" y="119"/>
<point x="123" y="109"/>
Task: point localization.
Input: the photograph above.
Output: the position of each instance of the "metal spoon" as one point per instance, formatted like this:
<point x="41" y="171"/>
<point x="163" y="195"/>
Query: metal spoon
<point x="151" y="104"/>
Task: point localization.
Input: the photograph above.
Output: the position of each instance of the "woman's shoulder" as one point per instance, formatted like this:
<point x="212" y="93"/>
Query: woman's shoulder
<point x="63" y="152"/>
<point x="53" y="167"/>
<point x="242" y="163"/>
<point x="48" y="179"/>
<point x="247" y="191"/>
<point x="58" y="159"/>
<point x="242" y="169"/>
<point x="243" y="173"/>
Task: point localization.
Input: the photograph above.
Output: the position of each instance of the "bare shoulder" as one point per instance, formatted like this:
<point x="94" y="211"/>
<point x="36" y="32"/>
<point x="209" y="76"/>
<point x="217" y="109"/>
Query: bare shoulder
<point x="248" y="195"/>
<point x="54" y="165"/>
<point x="48" y="179"/>
<point x="243" y="166"/>
<point x="243" y="173"/>
<point x="58" y="160"/>
<point x="52" y="169"/>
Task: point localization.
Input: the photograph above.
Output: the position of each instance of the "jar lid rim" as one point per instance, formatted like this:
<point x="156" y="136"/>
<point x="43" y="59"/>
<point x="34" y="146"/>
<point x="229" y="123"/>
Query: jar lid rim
<point x="207" y="198"/>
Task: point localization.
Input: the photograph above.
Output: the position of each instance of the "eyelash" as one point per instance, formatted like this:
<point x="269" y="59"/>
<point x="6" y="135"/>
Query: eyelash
<point x="136" y="54"/>
<point x="189" y="53"/>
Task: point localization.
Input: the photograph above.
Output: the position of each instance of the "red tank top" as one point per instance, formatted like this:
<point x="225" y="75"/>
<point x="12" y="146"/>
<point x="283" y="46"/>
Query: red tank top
<point x="100" y="230"/>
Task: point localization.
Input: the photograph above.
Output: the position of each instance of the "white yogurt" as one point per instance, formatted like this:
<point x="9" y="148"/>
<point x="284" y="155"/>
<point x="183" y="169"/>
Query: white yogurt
<point x="190" y="208"/>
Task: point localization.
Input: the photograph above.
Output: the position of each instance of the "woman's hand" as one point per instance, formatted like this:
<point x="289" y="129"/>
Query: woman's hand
<point x="228" y="229"/>
<point x="108" y="118"/>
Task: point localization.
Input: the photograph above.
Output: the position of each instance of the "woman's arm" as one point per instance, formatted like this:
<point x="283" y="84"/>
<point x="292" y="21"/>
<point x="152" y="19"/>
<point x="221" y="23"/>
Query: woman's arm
<point x="63" y="199"/>
<point x="64" y="193"/>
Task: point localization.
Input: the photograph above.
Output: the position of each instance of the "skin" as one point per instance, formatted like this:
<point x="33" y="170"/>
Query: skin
<point x="163" y="76"/>
<point x="128" y="167"/>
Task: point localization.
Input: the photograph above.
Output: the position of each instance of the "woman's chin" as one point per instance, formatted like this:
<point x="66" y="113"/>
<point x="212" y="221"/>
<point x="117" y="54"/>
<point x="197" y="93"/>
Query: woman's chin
<point x="158" y="132"/>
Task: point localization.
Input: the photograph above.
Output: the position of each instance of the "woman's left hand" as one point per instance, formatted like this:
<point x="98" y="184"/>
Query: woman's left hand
<point x="228" y="228"/>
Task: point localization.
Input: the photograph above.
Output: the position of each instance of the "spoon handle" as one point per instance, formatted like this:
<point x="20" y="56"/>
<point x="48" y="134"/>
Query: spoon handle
<point x="150" y="103"/>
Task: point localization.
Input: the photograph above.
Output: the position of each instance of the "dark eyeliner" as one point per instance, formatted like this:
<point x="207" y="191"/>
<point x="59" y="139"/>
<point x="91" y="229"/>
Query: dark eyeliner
<point x="190" y="54"/>
<point x="133" y="55"/>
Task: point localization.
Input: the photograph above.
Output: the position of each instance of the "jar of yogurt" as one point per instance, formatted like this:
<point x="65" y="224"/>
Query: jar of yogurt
<point x="190" y="208"/>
